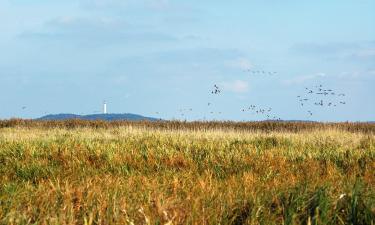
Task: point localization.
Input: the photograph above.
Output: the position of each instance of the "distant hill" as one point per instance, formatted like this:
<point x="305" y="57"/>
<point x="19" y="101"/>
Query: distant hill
<point x="108" y="117"/>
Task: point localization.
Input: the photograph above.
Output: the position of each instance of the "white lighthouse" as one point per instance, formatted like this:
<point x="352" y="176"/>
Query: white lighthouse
<point x="105" y="107"/>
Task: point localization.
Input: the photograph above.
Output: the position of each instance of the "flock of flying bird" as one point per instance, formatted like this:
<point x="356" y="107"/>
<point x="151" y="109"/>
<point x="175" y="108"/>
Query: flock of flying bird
<point x="317" y="96"/>
<point x="320" y="96"/>
<point x="260" y="72"/>
<point x="267" y="112"/>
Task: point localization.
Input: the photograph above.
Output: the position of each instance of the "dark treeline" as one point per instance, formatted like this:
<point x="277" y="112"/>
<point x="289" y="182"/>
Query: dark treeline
<point x="266" y="126"/>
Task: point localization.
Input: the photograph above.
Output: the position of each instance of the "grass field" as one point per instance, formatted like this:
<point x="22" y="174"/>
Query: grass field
<point x="79" y="172"/>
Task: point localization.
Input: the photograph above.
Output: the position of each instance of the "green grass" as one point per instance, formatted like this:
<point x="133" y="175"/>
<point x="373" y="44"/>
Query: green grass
<point x="142" y="175"/>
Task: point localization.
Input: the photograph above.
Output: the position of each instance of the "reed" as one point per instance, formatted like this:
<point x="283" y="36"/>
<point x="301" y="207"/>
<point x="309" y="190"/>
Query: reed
<point x="80" y="172"/>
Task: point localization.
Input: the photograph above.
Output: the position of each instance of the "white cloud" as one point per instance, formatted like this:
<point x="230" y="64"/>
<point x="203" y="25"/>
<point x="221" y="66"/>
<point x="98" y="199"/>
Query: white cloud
<point x="237" y="86"/>
<point x="87" y="23"/>
<point x="353" y="75"/>
<point x="65" y="20"/>
<point x="364" y="50"/>
<point x="100" y="4"/>
<point x="120" y="80"/>
<point x="159" y="4"/>
<point x="365" y="53"/>
<point x="126" y="4"/>
<point x="89" y="31"/>
<point x="240" y="63"/>
<point x="356" y="75"/>
<point x="304" y="78"/>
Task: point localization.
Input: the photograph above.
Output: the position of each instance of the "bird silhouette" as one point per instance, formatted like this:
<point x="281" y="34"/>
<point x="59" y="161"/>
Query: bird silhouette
<point x="216" y="90"/>
<point x="261" y="72"/>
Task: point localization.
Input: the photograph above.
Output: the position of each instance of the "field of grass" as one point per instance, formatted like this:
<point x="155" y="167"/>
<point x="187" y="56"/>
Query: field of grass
<point x="186" y="173"/>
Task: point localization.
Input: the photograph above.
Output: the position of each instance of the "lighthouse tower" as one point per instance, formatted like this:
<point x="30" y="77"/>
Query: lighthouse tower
<point x="105" y="107"/>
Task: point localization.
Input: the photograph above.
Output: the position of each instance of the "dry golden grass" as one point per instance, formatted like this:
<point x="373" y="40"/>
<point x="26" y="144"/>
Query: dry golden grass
<point x="140" y="174"/>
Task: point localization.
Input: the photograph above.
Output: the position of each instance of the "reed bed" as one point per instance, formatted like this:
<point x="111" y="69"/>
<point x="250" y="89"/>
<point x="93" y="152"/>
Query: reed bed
<point x="265" y="126"/>
<point x="80" y="172"/>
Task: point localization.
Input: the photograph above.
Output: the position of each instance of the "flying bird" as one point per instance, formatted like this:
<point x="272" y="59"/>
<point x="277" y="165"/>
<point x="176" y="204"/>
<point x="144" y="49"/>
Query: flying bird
<point x="216" y="90"/>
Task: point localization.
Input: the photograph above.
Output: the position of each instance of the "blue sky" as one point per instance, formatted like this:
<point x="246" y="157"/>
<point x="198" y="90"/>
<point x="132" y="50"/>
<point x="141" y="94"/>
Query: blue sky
<point x="148" y="56"/>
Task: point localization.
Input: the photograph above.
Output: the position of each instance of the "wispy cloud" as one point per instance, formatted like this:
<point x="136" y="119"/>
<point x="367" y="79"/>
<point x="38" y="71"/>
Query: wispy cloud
<point x="237" y="86"/>
<point x="365" y="53"/>
<point x="75" y="22"/>
<point x="357" y="75"/>
<point x="201" y="54"/>
<point x="105" y="4"/>
<point x="240" y="63"/>
<point x="338" y="51"/>
<point x="304" y="78"/>
<point x="159" y="4"/>
<point x="124" y="5"/>
<point x="104" y="30"/>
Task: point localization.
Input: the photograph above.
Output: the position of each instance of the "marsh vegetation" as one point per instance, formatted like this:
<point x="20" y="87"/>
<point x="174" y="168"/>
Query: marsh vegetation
<point x="79" y="172"/>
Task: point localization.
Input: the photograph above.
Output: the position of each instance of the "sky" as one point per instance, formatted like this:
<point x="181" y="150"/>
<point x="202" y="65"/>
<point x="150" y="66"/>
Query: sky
<point x="161" y="58"/>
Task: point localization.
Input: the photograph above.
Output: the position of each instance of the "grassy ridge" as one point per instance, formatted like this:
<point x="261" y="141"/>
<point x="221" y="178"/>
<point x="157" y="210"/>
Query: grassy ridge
<point x="131" y="173"/>
<point x="265" y="126"/>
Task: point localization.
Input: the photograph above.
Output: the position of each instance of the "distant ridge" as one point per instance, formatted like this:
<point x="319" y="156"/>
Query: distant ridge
<point x="107" y="117"/>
